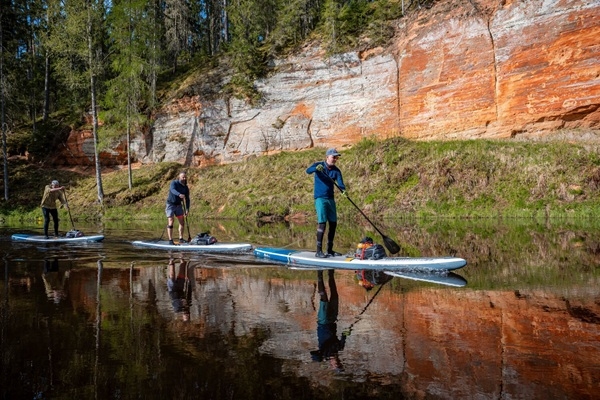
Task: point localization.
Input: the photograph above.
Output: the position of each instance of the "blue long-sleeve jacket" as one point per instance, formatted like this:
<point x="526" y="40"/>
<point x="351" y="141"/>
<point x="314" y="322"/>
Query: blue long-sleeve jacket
<point x="324" y="187"/>
<point x="175" y="190"/>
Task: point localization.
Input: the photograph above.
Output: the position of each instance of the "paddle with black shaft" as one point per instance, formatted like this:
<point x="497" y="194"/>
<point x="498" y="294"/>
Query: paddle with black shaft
<point x="69" y="209"/>
<point x="389" y="243"/>
<point x="185" y="212"/>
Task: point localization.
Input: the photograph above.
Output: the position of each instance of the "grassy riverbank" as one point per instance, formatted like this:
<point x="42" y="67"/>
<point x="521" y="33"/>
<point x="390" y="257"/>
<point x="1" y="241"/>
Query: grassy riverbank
<point x="386" y="179"/>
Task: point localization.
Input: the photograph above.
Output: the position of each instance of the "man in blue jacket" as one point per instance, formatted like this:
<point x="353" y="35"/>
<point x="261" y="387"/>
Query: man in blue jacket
<point x="326" y="177"/>
<point x="178" y="193"/>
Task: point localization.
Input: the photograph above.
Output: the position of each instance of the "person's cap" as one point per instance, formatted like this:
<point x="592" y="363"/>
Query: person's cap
<point x="55" y="182"/>
<point x="332" y="152"/>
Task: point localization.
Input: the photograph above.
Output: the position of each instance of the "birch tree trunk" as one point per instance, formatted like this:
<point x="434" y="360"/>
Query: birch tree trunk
<point x="92" y="66"/>
<point x="46" y="86"/>
<point x="2" y="123"/>
<point x="129" y="172"/>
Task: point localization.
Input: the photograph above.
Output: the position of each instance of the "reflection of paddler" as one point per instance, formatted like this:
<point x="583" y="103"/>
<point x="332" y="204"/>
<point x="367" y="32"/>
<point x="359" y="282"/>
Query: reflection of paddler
<point x="180" y="287"/>
<point x="54" y="281"/>
<point x="329" y="344"/>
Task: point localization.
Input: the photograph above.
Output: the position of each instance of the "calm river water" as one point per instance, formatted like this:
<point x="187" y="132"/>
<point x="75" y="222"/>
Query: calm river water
<point x="109" y="320"/>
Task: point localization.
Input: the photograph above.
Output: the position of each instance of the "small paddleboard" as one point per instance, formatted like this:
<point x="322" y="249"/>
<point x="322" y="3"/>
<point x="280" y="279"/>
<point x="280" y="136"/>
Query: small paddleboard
<point x="215" y="248"/>
<point x="24" y="237"/>
<point x="297" y="257"/>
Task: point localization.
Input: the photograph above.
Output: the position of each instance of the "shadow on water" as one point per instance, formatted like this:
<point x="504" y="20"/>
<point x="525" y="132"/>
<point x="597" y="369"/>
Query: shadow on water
<point x="110" y="320"/>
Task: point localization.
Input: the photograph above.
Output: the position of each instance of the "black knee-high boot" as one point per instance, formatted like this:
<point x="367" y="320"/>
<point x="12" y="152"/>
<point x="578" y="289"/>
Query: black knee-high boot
<point x="330" y="238"/>
<point x="320" y="234"/>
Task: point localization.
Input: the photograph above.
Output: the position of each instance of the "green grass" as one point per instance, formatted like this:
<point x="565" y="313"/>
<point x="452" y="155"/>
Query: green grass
<point x="386" y="179"/>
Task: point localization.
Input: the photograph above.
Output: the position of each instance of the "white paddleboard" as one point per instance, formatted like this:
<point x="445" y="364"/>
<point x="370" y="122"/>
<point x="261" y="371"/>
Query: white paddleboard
<point x="296" y="257"/>
<point x="24" y="237"/>
<point x="215" y="248"/>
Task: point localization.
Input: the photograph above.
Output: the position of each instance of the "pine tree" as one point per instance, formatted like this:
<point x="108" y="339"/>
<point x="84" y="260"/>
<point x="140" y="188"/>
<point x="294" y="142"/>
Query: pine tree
<point x="293" y="23"/>
<point x="177" y="28"/>
<point x="15" y="91"/>
<point x="251" y="23"/>
<point x="2" y="99"/>
<point x="77" y="43"/>
<point x="153" y="30"/>
<point x="128" y="91"/>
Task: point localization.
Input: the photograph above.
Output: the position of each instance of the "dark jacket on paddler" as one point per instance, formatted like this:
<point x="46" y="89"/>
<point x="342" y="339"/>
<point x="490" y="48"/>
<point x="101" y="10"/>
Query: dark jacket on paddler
<point x="323" y="185"/>
<point x="175" y="190"/>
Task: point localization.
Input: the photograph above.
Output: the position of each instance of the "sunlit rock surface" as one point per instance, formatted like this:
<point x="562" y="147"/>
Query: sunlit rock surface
<point x="459" y="70"/>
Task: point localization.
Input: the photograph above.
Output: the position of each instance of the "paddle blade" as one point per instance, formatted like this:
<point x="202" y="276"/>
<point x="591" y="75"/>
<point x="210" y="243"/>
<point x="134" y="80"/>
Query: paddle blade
<point x="390" y="245"/>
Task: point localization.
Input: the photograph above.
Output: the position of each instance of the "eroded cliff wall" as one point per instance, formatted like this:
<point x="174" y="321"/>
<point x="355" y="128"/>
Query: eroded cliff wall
<point x="498" y="69"/>
<point x="460" y="70"/>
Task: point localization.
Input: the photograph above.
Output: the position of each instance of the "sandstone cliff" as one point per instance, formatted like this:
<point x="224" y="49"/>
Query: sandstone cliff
<point x="460" y="70"/>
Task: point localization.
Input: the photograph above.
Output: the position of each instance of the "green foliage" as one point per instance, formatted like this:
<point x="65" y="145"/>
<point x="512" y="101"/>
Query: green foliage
<point x="470" y="179"/>
<point x="251" y="20"/>
<point x="345" y="24"/>
<point x="294" y="20"/>
<point x="144" y="52"/>
<point x="128" y="92"/>
<point x="411" y="180"/>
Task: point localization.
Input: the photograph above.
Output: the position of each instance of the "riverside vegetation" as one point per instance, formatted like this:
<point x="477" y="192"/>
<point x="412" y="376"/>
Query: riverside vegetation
<point x="520" y="212"/>
<point x="393" y="178"/>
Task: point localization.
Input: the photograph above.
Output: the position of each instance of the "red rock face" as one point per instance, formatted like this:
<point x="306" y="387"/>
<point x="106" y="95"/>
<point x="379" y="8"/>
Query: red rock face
<point x="523" y="68"/>
<point x="79" y="150"/>
<point x="460" y="70"/>
<point x="548" y="72"/>
<point x="447" y="83"/>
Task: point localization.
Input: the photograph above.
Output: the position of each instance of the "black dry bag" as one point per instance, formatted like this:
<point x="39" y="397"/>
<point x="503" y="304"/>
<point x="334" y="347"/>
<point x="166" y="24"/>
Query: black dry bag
<point x="74" y="233"/>
<point x="204" y="238"/>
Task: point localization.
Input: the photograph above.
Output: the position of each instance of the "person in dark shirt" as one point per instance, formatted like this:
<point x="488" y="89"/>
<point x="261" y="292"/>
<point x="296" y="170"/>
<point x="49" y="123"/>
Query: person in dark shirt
<point x="326" y="176"/>
<point x="179" y="196"/>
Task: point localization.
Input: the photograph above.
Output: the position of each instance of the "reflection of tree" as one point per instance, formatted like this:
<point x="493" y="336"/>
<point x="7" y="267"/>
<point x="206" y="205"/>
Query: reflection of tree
<point x="111" y="344"/>
<point x="97" y="326"/>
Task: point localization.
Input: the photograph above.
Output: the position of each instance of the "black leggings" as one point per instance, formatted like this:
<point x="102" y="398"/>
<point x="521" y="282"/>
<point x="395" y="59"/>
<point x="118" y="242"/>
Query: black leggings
<point x="47" y="213"/>
<point x="330" y="235"/>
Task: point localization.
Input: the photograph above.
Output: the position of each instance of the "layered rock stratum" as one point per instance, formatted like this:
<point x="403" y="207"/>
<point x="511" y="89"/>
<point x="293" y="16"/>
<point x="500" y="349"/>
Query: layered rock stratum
<point x="459" y="70"/>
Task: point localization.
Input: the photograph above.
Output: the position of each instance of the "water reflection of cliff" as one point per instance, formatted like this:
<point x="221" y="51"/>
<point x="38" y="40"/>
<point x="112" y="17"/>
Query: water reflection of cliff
<point x="451" y="343"/>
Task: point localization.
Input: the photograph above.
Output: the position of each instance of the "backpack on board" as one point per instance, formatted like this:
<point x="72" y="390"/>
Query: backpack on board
<point x="204" y="238"/>
<point x="74" y="233"/>
<point x="367" y="250"/>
